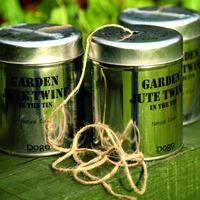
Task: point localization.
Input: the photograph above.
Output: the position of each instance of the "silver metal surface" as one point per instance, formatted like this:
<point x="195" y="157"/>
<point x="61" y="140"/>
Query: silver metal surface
<point x="131" y="83"/>
<point x="38" y="44"/>
<point x="145" y="46"/>
<point x="164" y="156"/>
<point x="186" y="22"/>
<point x="183" y="20"/>
<point x="39" y="66"/>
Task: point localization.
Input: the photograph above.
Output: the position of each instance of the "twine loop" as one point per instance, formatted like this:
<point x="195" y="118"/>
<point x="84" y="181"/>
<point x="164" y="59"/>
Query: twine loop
<point x="100" y="157"/>
<point x="109" y="152"/>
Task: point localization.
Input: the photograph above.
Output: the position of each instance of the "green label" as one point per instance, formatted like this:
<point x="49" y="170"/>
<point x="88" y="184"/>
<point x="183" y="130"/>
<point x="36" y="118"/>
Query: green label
<point x="191" y="80"/>
<point x="157" y="108"/>
<point x="30" y="95"/>
<point x="31" y="89"/>
<point x="152" y="97"/>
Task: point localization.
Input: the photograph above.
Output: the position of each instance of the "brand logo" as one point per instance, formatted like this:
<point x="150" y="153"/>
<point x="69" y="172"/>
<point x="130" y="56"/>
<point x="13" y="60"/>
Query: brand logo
<point x="37" y="148"/>
<point x="165" y="148"/>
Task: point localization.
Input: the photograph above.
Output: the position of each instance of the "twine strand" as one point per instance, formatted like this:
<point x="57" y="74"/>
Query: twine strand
<point x="161" y="8"/>
<point x="101" y="158"/>
<point x="110" y="144"/>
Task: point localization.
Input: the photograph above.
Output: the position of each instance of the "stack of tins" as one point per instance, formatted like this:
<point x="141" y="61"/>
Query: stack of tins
<point x="139" y="77"/>
<point x="40" y="65"/>
<point x="186" y="22"/>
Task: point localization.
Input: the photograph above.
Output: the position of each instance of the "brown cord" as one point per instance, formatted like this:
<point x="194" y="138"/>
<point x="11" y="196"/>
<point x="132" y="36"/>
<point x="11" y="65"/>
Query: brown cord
<point x="102" y="156"/>
<point x="49" y="29"/>
<point x="109" y="140"/>
<point x="161" y="8"/>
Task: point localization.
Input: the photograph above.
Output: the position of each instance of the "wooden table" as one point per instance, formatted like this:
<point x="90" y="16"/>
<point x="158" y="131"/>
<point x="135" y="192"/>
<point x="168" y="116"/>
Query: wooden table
<point x="174" y="178"/>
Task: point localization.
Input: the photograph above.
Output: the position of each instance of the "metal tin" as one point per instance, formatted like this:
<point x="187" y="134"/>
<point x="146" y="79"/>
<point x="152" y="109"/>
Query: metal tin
<point x="186" y="22"/>
<point x="40" y="65"/>
<point x="139" y="77"/>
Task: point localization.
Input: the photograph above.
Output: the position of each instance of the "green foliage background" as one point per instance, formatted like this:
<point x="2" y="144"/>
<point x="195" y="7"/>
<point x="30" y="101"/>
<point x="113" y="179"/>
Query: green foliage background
<point x="83" y="14"/>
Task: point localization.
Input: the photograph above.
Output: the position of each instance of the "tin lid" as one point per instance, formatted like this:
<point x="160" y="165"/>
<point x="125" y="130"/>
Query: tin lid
<point x="39" y="44"/>
<point x="185" y="21"/>
<point x="146" y="46"/>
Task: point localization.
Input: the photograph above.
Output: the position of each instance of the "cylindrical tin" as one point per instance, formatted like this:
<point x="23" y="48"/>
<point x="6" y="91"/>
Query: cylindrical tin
<point x="40" y="65"/>
<point x="186" y="22"/>
<point x="139" y="77"/>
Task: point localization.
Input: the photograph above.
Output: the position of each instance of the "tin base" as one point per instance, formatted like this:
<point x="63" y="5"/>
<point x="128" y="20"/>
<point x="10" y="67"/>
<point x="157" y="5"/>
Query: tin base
<point x="164" y="156"/>
<point x="30" y="154"/>
<point x="185" y="123"/>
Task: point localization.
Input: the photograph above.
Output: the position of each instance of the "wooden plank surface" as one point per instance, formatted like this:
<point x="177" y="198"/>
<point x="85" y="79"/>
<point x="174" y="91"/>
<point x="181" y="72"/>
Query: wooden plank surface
<point x="173" y="178"/>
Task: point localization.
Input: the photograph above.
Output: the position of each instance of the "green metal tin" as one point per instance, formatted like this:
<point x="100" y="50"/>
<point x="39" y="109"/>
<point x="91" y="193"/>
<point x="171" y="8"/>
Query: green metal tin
<point x="40" y="65"/>
<point x="139" y="78"/>
<point x="186" y="22"/>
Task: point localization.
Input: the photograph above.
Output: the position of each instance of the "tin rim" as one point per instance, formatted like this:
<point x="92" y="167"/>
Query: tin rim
<point x="115" y="66"/>
<point x="37" y="44"/>
<point x="147" y="45"/>
<point x="164" y="156"/>
<point x="186" y="21"/>
<point x="50" y="153"/>
<point x="191" y="121"/>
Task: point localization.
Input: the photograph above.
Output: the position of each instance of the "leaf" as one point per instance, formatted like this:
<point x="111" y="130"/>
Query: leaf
<point x="192" y="4"/>
<point x="59" y="15"/>
<point x="35" y="17"/>
<point x="46" y="6"/>
<point x="72" y="12"/>
<point x="168" y="2"/>
<point x="137" y="3"/>
<point x="11" y="11"/>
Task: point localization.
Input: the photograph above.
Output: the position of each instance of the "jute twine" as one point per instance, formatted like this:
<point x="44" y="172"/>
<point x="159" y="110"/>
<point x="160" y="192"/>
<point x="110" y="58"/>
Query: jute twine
<point x="161" y="8"/>
<point x="111" y="144"/>
<point x="54" y="28"/>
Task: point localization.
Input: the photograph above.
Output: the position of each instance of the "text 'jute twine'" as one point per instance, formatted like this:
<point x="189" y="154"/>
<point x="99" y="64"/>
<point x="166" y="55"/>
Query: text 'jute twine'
<point x="111" y="143"/>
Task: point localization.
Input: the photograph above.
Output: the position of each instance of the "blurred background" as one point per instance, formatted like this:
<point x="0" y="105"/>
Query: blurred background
<point x="83" y="14"/>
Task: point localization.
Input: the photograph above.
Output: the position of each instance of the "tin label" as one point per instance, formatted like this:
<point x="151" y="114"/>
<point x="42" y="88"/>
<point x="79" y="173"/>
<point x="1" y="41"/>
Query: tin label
<point x="156" y="107"/>
<point x="191" y="80"/>
<point x="31" y="94"/>
<point x="152" y="97"/>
